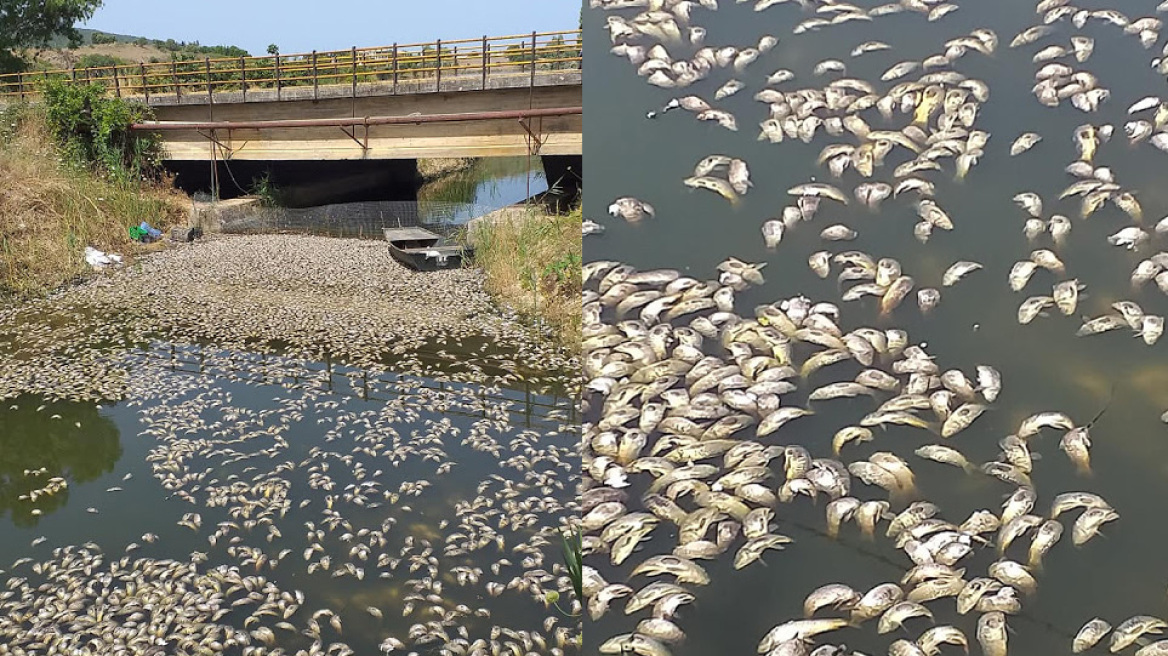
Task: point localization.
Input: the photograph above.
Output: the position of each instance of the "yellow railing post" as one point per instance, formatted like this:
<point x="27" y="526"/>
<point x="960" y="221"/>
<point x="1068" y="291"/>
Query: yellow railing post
<point x="486" y="58"/>
<point x="314" y="78"/>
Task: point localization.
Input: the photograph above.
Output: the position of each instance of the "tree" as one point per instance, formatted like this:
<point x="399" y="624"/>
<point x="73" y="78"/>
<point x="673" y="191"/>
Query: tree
<point x="101" y="38"/>
<point x="273" y="49"/>
<point x="26" y="24"/>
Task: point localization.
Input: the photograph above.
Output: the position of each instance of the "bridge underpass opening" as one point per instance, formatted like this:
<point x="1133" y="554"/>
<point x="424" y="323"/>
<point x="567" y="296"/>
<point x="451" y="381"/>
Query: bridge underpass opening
<point x="303" y="183"/>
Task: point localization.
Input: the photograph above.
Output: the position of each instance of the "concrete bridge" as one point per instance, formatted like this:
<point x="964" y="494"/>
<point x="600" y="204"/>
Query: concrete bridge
<point x="489" y="97"/>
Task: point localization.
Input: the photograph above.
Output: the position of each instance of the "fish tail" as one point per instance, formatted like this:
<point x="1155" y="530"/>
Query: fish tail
<point x="969" y="468"/>
<point x="1084" y="469"/>
<point x="1034" y="562"/>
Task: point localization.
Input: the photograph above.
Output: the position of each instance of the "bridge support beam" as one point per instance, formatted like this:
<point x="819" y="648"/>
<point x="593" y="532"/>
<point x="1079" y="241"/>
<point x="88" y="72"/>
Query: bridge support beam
<point x="565" y="176"/>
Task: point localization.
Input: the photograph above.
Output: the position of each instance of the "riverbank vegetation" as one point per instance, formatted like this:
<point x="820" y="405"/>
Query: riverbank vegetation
<point x="74" y="176"/>
<point x="532" y="263"/>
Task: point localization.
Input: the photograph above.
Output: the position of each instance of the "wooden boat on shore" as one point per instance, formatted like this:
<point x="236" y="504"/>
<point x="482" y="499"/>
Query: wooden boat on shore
<point x="422" y="250"/>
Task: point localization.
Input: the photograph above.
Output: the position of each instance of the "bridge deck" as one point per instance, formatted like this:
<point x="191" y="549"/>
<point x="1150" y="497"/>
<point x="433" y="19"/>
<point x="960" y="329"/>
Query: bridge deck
<point x="252" y="107"/>
<point x="486" y="63"/>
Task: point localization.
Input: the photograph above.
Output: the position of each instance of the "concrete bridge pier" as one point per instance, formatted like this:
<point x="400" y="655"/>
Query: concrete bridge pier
<point x="565" y="176"/>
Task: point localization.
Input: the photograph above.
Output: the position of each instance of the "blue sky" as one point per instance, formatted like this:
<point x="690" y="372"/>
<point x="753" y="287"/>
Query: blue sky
<point x="303" y="26"/>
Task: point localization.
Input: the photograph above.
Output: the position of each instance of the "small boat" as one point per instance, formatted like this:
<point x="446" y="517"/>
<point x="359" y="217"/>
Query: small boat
<point x="422" y="250"/>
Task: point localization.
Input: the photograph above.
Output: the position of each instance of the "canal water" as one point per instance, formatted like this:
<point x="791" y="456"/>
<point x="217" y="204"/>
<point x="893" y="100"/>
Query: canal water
<point x="1044" y="366"/>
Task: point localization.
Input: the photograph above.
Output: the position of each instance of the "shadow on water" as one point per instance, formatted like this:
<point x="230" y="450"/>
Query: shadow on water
<point x="68" y="440"/>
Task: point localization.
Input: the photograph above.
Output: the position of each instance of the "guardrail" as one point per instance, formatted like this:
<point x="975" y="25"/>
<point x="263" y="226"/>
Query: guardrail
<point x="402" y="67"/>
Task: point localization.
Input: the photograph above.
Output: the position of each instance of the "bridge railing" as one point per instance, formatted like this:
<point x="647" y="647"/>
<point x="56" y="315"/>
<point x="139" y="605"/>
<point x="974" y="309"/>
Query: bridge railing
<point x="465" y="64"/>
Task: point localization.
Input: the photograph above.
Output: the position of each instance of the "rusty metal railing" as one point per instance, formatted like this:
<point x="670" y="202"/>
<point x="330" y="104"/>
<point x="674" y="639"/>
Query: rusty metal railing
<point x="406" y="68"/>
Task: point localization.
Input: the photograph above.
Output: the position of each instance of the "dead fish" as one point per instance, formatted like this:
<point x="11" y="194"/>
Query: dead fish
<point x="927" y="299"/>
<point x="1131" y="629"/>
<point x="1101" y="324"/>
<point x="1131" y="238"/>
<point x="957" y="271"/>
<point x="1076" y="443"/>
<point x="729" y="89"/>
<point x="830" y="66"/>
<point x="869" y="46"/>
<point x="630" y="209"/>
<point x="1048" y="260"/>
<point x="1066" y="296"/>
<point x="739" y="176"/>
<point x="895" y="293"/>
<point x="710" y="164"/>
<point x="961" y="418"/>
<point x="1030" y="202"/>
<point x="1090" y="635"/>
<point x="772" y="233"/>
<point x="837" y="232"/>
<point x="991" y="633"/>
<point x="717" y="185"/>
<point x="945" y="455"/>
<point x="820" y="263"/>
<point x="1024" y="143"/>
<point x="893" y="618"/>
<point x="1020" y="274"/>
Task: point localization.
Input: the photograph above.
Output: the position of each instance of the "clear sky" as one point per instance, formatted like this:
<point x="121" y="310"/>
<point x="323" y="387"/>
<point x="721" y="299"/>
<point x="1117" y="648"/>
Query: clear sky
<point x="303" y="25"/>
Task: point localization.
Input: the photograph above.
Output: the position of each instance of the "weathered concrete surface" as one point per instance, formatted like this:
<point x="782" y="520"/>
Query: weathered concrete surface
<point x="558" y="135"/>
<point x="405" y="86"/>
<point x="208" y="216"/>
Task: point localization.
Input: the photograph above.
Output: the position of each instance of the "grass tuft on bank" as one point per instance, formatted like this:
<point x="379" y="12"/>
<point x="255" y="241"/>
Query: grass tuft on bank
<point x="52" y="207"/>
<point x="532" y="264"/>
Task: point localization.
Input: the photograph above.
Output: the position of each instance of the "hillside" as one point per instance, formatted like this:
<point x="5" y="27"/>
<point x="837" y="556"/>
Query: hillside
<point x="127" y="48"/>
<point x="127" y="52"/>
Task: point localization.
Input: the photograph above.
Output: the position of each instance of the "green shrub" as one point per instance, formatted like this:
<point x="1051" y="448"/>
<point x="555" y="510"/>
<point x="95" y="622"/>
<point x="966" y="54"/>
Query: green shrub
<point x="93" y="60"/>
<point x="94" y="130"/>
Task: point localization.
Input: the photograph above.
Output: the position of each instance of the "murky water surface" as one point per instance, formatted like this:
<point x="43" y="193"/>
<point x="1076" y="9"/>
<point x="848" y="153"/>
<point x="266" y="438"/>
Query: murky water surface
<point x="413" y="508"/>
<point x="1044" y="366"/>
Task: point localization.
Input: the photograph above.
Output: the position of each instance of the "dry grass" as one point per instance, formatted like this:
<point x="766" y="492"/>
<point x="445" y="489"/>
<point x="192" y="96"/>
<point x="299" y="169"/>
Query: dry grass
<point x="65" y="57"/>
<point x="532" y="263"/>
<point x="430" y="169"/>
<point x="50" y="212"/>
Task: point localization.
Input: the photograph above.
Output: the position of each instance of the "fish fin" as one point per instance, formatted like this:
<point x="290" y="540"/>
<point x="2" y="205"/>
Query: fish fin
<point x="1036" y="456"/>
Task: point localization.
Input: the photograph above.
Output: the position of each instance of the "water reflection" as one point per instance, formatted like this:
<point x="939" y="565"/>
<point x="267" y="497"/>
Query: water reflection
<point x="486" y="185"/>
<point x="41" y="441"/>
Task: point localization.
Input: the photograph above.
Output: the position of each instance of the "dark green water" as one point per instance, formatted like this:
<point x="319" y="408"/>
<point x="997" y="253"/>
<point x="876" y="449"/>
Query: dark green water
<point x="1044" y="366"/>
